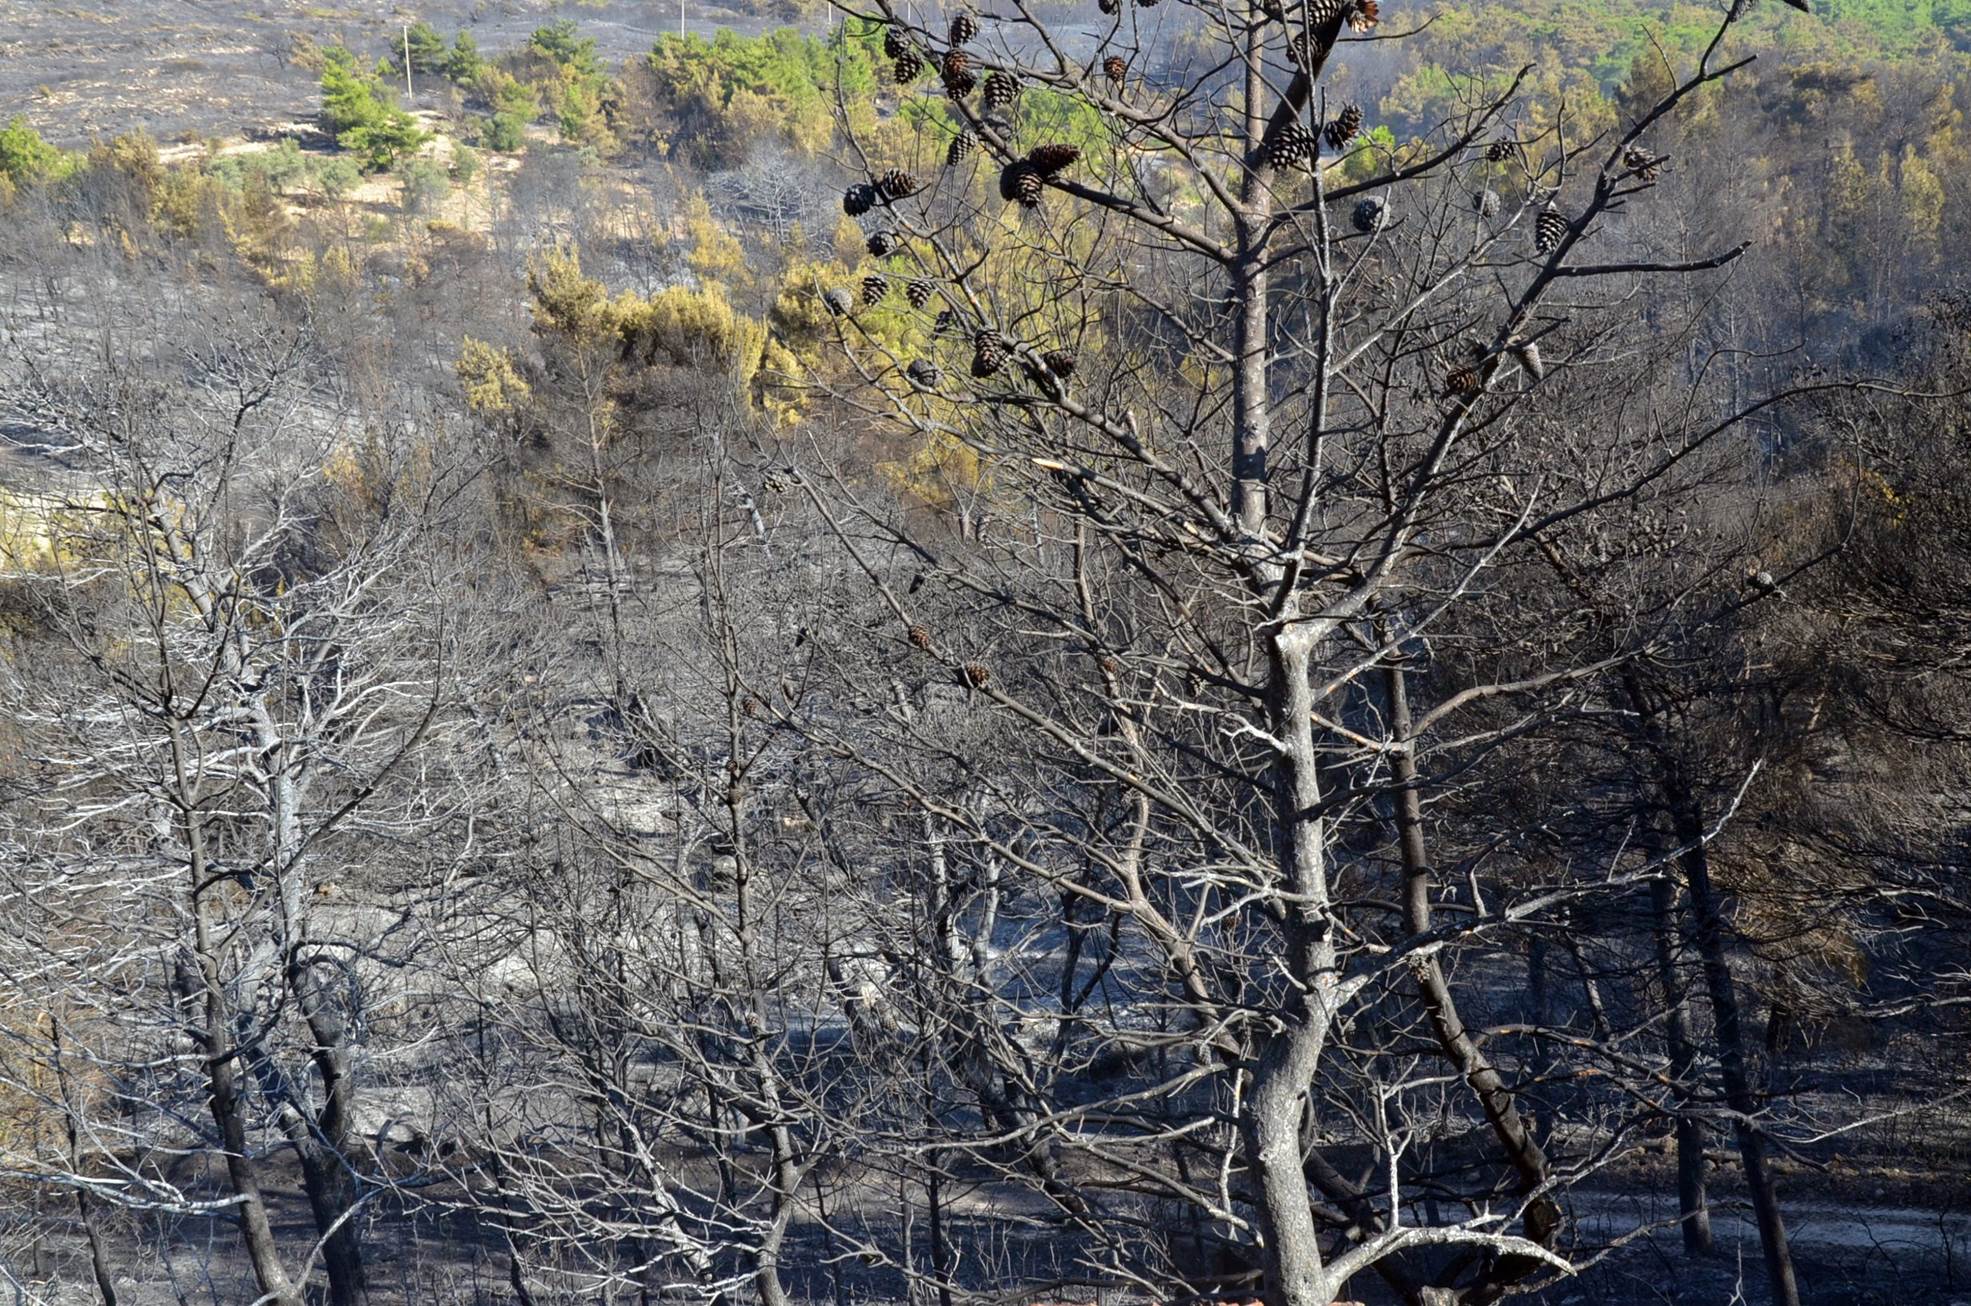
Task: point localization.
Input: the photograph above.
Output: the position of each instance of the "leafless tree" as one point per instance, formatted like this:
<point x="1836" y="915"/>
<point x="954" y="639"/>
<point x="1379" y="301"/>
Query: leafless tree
<point x="253" y="650"/>
<point x="1260" y="436"/>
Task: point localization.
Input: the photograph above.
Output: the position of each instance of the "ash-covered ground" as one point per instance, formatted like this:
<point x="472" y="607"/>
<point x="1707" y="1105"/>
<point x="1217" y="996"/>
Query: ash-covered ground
<point x="189" y="69"/>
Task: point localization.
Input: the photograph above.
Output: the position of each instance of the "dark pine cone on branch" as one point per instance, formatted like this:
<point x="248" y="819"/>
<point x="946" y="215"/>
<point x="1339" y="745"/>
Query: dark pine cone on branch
<point x="1549" y="229"/>
<point x="1020" y="182"/>
<point x="919" y="292"/>
<point x="1345" y="125"/>
<point x="1115" y="69"/>
<point x="1049" y="160"/>
<point x="956" y="69"/>
<point x="896" y="184"/>
<point x="1289" y="147"/>
<point x="988" y="353"/>
<point x="963" y="28"/>
<point x="1001" y="89"/>
<point x="1463" y="383"/>
<point x="961" y="147"/>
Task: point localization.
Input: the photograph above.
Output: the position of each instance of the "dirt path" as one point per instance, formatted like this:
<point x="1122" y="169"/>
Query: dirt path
<point x="1897" y="1230"/>
<point x="184" y="70"/>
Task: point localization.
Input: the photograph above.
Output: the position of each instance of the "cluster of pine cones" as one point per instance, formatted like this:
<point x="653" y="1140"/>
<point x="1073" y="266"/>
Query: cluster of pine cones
<point x="1324" y="19"/>
<point x="1647" y="167"/>
<point x="1022" y="180"/>
<point x="1294" y="145"/>
<point x="1467" y="381"/>
<point x="894" y="185"/>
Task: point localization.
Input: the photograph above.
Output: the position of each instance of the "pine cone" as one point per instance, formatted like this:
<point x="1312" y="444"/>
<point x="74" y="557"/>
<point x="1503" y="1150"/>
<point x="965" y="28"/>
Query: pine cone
<point x="946" y="322"/>
<point x="1146" y="4"/>
<point x="1463" y="383"/>
<point x="959" y="85"/>
<point x="874" y="287"/>
<point x="1324" y="20"/>
<point x="908" y="67"/>
<point x="1000" y="90"/>
<point x="957" y="64"/>
<point x="882" y="244"/>
<point x="1527" y="354"/>
<point x="1020" y="181"/>
<point x="1290" y="147"/>
<point x="1549" y="229"/>
<point x="1050" y="159"/>
<point x="1109" y="6"/>
<point x="895" y="43"/>
<point x="961" y="147"/>
<point x="1498" y="151"/>
<point x="1485" y="203"/>
<point x="1646" y="166"/>
<point x="976" y="674"/>
<point x="858" y="199"/>
<point x="924" y="374"/>
<point x="919" y="293"/>
<point x="896" y="184"/>
<point x="1346" y="123"/>
<point x="988" y="354"/>
<point x="963" y="28"/>
<point x="920" y="636"/>
<point x="1360" y="15"/>
<point x="1369" y="215"/>
<point x="1060" y="362"/>
<point x="1115" y="69"/>
<point x="1110" y="667"/>
<point x="839" y="302"/>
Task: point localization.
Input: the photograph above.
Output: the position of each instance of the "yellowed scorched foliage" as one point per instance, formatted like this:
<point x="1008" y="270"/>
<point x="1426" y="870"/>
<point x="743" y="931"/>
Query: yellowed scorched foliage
<point x="684" y="326"/>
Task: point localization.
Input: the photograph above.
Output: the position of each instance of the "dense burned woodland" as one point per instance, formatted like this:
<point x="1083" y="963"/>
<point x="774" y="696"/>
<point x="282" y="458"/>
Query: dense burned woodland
<point x="1283" y="652"/>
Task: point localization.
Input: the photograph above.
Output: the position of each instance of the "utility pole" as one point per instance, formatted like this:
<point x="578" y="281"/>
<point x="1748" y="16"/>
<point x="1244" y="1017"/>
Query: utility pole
<point x="408" y="92"/>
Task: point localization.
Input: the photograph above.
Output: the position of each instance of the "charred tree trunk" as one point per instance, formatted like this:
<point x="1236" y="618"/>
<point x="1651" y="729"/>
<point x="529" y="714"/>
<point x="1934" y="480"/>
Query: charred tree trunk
<point x="1693" y="1210"/>
<point x="1686" y="815"/>
<point x="1708" y="915"/>
<point x="323" y="1143"/>
<point x="1523" y="1151"/>
<point x="221" y="1056"/>
<point x="84" y="1207"/>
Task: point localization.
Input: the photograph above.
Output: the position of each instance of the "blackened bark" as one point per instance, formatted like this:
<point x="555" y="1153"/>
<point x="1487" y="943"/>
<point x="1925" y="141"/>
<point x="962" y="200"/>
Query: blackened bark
<point x="1693" y="1210"/>
<point x="84" y="1207"/>
<point x="1686" y="815"/>
<point x="323" y="1144"/>
<point x="1523" y="1151"/>
<point x="1687" y="821"/>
